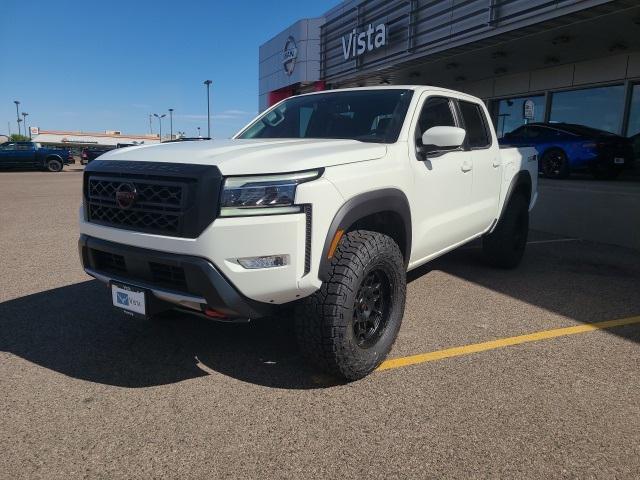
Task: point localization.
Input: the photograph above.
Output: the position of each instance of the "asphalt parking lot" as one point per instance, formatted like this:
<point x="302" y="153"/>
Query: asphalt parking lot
<point x="88" y="392"/>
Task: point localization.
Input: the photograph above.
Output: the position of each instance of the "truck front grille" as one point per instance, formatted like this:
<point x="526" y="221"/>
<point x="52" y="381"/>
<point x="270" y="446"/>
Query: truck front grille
<point x="171" y="199"/>
<point x="157" y="208"/>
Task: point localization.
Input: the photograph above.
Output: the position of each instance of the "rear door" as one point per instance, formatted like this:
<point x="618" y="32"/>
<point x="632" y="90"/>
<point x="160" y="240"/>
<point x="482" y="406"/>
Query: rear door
<point x="487" y="170"/>
<point x="25" y="156"/>
<point x="442" y="184"/>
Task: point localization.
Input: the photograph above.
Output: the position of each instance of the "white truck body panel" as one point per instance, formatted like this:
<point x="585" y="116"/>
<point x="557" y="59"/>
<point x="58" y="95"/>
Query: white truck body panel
<point x="454" y="198"/>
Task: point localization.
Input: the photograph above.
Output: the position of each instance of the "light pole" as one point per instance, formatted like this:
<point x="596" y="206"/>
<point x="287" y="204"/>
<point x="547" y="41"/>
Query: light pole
<point x="151" y="124"/>
<point x="160" y="117"/>
<point x="171" y="123"/>
<point x="198" y="132"/>
<point x="17" y="114"/>
<point x="24" y="116"/>
<point x="208" y="84"/>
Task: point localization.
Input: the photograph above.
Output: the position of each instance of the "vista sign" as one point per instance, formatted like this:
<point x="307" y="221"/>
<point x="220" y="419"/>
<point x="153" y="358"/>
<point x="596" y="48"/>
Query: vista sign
<point x="356" y="43"/>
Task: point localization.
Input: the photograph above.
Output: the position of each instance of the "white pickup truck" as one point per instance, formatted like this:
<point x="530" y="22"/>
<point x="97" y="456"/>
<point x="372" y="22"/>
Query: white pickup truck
<point x="323" y="202"/>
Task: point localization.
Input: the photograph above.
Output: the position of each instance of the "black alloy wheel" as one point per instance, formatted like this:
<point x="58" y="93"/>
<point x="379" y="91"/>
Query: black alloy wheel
<point x="555" y="164"/>
<point x="370" y="310"/>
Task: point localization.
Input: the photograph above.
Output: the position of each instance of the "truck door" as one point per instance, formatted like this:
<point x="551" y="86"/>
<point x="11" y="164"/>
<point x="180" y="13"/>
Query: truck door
<point x="487" y="171"/>
<point x="442" y="184"/>
<point x="31" y="155"/>
<point x="5" y="155"/>
<point x="22" y="156"/>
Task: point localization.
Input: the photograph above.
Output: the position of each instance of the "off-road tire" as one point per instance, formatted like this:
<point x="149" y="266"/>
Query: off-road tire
<point x="325" y="322"/>
<point x="54" y="165"/>
<point x="505" y="246"/>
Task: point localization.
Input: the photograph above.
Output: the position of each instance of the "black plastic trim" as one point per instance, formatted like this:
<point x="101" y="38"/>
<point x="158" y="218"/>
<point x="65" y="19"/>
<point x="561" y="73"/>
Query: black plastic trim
<point x="202" y="277"/>
<point x="361" y="206"/>
<point x="201" y="189"/>
<point x="523" y="177"/>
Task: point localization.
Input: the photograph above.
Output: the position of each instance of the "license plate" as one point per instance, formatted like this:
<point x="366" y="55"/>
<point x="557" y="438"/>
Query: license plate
<point x="618" y="160"/>
<point x="129" y="299"/>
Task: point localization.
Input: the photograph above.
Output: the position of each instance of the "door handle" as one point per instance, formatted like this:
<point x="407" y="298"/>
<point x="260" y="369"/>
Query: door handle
<point x="466" y="166"/>
<point x="497" y="162"/>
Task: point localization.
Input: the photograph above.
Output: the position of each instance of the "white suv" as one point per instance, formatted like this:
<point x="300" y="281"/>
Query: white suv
<point x="322" y="202"/>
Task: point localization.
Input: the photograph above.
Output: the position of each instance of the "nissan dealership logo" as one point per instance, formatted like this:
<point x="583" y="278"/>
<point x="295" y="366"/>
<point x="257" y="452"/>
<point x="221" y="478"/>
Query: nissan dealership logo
<point x="289" y="55"/>
<point x="126" y="195"/>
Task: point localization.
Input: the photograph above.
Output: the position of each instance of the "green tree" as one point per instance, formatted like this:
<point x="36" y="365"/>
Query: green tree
<point x="18" y="138"/>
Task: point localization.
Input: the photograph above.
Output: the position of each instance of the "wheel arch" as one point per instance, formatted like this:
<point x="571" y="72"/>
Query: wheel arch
<point x="384" y="211"/>
<point x="521" y="183"/>
<point x="53" y="156"/>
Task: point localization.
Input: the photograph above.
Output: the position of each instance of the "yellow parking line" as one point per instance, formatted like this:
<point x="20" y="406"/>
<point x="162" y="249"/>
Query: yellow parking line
<point x="503" y="342"/>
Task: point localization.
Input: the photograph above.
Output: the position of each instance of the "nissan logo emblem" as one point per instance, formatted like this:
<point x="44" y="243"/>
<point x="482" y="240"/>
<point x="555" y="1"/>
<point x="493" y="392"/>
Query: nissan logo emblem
<point x="126" y="195"/>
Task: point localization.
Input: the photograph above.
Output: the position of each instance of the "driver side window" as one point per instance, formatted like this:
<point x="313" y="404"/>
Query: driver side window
<point x="436" y="112"/>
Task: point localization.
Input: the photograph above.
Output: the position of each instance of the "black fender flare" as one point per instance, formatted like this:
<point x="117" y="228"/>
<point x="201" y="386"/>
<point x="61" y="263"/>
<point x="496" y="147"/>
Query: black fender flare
<point x="522" y="179"/>
<point x="361" y="206"/>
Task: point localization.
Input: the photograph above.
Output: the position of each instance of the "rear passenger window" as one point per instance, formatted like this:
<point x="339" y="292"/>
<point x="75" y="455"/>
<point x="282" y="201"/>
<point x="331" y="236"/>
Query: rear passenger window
<point x="475" y="124"/>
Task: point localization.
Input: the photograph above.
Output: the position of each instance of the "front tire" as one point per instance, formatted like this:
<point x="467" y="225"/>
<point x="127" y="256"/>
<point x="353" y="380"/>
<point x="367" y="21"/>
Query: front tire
<point x="54" y="165"/>
<point x="348" y="327"/>
<point x="504" y="247"/>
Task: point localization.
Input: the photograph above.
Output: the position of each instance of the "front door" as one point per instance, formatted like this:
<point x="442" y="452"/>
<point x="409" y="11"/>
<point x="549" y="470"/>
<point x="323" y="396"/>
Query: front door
<point x="442" y="185"/>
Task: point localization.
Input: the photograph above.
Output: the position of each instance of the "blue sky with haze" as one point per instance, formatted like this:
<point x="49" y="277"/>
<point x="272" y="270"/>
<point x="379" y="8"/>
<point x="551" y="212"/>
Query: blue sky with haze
<point x="95" y="66"/>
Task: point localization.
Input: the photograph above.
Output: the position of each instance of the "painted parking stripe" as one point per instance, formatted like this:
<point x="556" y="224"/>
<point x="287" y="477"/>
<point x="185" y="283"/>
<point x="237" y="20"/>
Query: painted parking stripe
<point x="503" y="342"/>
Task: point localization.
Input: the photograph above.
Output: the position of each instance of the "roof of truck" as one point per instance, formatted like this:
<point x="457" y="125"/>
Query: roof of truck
<point x="396" y="87"/>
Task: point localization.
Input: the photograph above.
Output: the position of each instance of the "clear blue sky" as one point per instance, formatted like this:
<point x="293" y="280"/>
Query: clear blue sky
<point x="95" y="66"/>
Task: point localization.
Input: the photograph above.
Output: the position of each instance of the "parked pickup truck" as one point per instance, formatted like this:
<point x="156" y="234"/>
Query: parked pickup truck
<point x="31" y="155"/>
<point x="322" y="203"/>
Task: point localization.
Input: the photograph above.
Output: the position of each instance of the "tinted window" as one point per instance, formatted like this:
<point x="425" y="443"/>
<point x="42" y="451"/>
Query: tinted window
<point x="475" y="125"/>
<point x="365" y="115"/>
<point x="511" y="113"/>
<point x="436" y="112"/>
<point x="599" y="108"/>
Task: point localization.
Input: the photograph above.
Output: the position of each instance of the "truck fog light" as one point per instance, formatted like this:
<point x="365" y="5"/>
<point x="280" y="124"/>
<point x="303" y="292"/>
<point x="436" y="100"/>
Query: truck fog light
<point x="264" y="262"/>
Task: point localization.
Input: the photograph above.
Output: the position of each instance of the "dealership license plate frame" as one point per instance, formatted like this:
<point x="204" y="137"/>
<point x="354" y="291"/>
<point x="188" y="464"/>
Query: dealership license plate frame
<point x="140" y="297"/>
<point x="618" y="161"/>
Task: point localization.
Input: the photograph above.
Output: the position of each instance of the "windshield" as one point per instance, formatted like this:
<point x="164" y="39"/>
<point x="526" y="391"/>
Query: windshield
<point x="364" y="115"/>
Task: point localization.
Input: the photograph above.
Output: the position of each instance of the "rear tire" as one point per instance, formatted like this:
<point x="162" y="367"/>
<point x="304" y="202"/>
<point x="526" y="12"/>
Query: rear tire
<point x="555" y="164"/>
<point x="348" y="327"/>
<point x="504" y="247"/>
<point x="54" y="165"/>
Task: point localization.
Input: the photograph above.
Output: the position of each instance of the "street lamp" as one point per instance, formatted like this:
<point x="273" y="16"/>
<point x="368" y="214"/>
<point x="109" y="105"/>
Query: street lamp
<point x="160" y="117"/>
<point x="24" y="116"/>
<point x="198" y="131"/>
<point x="171" y="123"/>
<point x="17" y="114"/>
<point x="208" y="84"/>
<point x="151" y="124"/>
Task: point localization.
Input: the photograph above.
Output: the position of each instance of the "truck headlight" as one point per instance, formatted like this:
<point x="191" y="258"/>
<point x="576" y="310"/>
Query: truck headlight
<point x="263" y="194"/>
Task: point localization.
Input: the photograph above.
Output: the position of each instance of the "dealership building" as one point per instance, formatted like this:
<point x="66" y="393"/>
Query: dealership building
<point x="574" y="61"/>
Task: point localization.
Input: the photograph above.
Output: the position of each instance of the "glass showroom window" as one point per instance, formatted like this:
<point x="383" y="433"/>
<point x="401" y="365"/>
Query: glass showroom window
<point x="511" y="113"/>
<point x="599" y="107"/>
<point x="633" y="131"/>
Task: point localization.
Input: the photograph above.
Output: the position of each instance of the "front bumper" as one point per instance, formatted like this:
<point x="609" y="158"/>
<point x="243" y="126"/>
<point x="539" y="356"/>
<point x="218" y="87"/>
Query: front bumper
<point x="173" y="280"/>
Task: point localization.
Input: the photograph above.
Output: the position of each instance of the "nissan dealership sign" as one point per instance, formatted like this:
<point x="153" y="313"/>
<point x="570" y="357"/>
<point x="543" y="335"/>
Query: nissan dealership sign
<point x="289" y="55"/>
<point x="357" y="43"/>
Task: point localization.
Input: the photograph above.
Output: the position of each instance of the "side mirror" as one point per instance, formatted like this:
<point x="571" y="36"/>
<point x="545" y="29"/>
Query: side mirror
<point x="442" y="138"/>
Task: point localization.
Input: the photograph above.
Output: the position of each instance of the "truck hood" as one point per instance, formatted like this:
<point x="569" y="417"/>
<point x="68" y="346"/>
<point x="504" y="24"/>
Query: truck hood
<point x="241" y="157"/>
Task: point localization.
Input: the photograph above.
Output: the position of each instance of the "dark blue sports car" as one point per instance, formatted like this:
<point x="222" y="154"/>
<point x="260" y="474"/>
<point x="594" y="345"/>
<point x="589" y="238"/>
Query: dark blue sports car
<point x="566" y="147"/>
